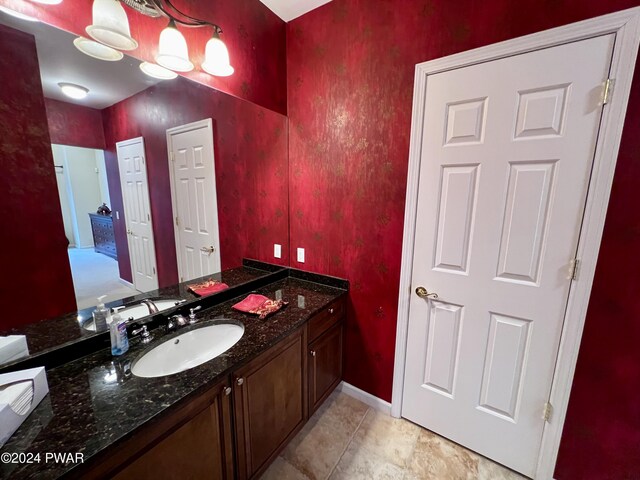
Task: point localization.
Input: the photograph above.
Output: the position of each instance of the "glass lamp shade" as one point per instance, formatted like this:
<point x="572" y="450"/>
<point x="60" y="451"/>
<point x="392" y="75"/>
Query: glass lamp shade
<point x="97" y="50"/>
<point x="48" y="2"/>
<point x="110" y="25"/>
<point x="156" y="71"/>
<point x="216" y="58"/>
<point x="172" y="51"/>
<point x="15" y="14"/>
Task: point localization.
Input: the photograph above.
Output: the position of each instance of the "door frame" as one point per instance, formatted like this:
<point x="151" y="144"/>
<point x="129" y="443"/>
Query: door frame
<point x="208" y="124"/>
<point x="125" y="143"/>
<point x="626" y="26"/>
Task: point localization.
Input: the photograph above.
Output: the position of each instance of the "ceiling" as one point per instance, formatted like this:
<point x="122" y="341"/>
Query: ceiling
<point x="287" y="10"/>
<point x="60" y="61"/>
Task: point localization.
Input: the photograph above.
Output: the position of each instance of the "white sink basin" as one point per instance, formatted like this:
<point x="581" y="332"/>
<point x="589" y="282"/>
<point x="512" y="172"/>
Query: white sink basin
<point x="136" y="311"/>
<point x="188" y="350"/>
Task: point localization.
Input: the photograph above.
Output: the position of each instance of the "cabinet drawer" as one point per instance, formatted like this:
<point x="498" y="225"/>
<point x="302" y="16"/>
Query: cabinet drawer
<point x="326" y="318"/>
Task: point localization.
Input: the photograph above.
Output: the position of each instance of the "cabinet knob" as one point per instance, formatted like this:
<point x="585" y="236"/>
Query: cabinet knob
<point x="227" y="391"/>
<point x="239" y="381"/>
<point x="313" y="353"/>
<point x="331" y="310"/>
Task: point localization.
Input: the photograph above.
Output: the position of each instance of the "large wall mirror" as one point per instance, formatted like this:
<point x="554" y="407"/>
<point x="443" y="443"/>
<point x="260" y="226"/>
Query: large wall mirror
<point x="146" y="182"/>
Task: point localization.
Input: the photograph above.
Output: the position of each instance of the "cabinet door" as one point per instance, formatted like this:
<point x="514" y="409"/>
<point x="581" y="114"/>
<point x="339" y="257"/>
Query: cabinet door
<point x="325" y="365"/>
<point x="193" y="443"/>
<point x="269" y="399"/>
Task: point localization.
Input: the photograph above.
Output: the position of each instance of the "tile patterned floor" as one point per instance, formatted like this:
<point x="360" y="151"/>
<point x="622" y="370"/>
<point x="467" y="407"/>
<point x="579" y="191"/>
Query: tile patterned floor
<point x="345" y="439"/>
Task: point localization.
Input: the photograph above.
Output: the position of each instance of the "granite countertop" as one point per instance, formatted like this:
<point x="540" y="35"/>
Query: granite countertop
<point x="64" y="330"/>
<point x="95" y="401"/>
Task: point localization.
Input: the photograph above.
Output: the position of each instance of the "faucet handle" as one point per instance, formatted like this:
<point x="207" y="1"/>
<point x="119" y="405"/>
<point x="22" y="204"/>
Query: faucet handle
<point x="145" y="336"/>
<point x="192" y="314"/>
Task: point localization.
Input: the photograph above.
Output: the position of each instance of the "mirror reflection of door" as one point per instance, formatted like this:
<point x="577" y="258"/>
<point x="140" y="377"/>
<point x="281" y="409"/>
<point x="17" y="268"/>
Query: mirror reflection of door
<point x="193" y="196"/>
<point x="137" y="208"/>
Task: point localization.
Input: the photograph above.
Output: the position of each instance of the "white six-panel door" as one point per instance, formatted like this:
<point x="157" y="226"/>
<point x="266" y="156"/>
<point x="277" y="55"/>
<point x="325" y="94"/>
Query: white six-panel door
<point x="193" y="192"/>
<point x="506" y="159"/>
<point x="137" y="209"/>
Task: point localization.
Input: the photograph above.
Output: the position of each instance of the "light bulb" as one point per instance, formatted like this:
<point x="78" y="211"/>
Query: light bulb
<point x="110" y="25"/>
<point x="216" y="58"/>
<point x="71" y="90"/>
<point x="172" y="51"/>
<point x="48" y="2"/>
<point x="156" y="71"/>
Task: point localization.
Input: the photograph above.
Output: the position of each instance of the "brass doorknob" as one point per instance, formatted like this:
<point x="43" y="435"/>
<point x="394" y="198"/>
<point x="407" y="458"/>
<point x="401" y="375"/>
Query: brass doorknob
<point x="422" y="293"/>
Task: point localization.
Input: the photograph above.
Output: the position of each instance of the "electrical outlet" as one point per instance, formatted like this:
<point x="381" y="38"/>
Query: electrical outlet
<point x="277" y="250"/>
<point x="301" y="255"/>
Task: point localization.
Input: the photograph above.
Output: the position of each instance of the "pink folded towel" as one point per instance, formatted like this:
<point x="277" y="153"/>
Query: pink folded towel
<point x="259" y="305"/>
<point x="207" y="287"/>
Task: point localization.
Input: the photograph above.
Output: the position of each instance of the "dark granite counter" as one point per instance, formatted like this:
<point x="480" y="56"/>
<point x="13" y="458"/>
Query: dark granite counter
<point x="56" y="333"/>
<point x="95" y="401"/>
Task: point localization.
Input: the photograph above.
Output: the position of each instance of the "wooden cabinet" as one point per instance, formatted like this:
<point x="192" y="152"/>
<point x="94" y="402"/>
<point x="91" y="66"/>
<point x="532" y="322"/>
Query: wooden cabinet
<point x="270" y="404"/>
<point x="325" y="352"/>
<point x="264" y="403"/>
<point x="325" y="365"/>
<point x="104" y="239"/>
<point x="193" y="442"/>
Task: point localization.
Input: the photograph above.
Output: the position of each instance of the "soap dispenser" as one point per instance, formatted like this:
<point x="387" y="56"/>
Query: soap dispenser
<point x="118" y="332"/>
<point x="100" y="315"/>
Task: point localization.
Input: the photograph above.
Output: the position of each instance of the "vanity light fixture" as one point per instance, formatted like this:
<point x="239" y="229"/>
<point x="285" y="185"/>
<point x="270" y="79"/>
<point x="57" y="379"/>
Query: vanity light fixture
<point x="156" y="71"/>
<point x="97" y="50"/>
<point x="15" y="14"/>
<point x="71" y="90"/>
<point x="173" y="52"/>
<point x="216" y="57"/>
<point x="110" y="25"/>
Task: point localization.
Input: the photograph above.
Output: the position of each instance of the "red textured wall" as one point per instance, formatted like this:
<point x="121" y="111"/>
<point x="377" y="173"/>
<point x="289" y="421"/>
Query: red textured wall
<point x="250" y="144"/>
<point x="75" y="125"/>
<point x="350" y="67"/>
<point x="254" y="35"/>
<point x="33" y="248"/>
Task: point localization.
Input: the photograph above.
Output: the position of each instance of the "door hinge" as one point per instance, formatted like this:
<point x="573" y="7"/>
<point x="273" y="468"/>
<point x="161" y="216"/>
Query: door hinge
<point x="172" y="156"/>
<point x="608" y="89"/>
<point x="548" y="412"/>
<point x="574" y="269"/>
<point x="177" y="222"/>
<point x="148" y="217"/>
<point x="154" y="270"/>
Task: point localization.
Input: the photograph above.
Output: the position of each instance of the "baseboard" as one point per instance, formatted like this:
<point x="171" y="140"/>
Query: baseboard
<point x="128" y="284"/>
<point x="365" y="397"/>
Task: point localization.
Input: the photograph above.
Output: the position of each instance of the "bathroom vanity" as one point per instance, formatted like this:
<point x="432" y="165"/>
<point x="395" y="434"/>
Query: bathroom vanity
<point x="227" y="418"/>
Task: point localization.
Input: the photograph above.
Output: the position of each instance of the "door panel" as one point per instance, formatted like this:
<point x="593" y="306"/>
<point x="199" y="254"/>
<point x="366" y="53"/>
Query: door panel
<point x="137" y="208"/>
<point x="194" y="199"/>
<point x="507" y="148"/>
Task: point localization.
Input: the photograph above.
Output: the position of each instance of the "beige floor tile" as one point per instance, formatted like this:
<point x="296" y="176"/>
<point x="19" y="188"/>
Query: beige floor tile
<point x="393" y="439"/>
<point x="358" y="463"/>
<point x="280" y="469"/>
<point x="488" y="470"/>
<point x="317" y="448"/>
<point x="437" y="458"/>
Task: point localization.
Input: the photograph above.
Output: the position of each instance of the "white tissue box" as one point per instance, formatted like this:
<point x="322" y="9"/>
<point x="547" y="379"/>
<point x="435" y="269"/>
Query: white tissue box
<point x="12" y="348"/>
<point x="20" y="394"/>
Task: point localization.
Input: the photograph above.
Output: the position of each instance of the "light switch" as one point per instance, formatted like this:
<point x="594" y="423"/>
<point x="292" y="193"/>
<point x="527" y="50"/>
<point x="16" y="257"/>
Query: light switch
<point x="277" y="250"/>
<point x="117" y="215"/>
<point x="301" y="255"/>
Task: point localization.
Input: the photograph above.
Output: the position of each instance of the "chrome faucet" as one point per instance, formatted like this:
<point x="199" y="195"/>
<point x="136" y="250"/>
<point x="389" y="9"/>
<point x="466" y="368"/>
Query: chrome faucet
<point x="150" y="305"/>
<point x="175" y="322"/>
